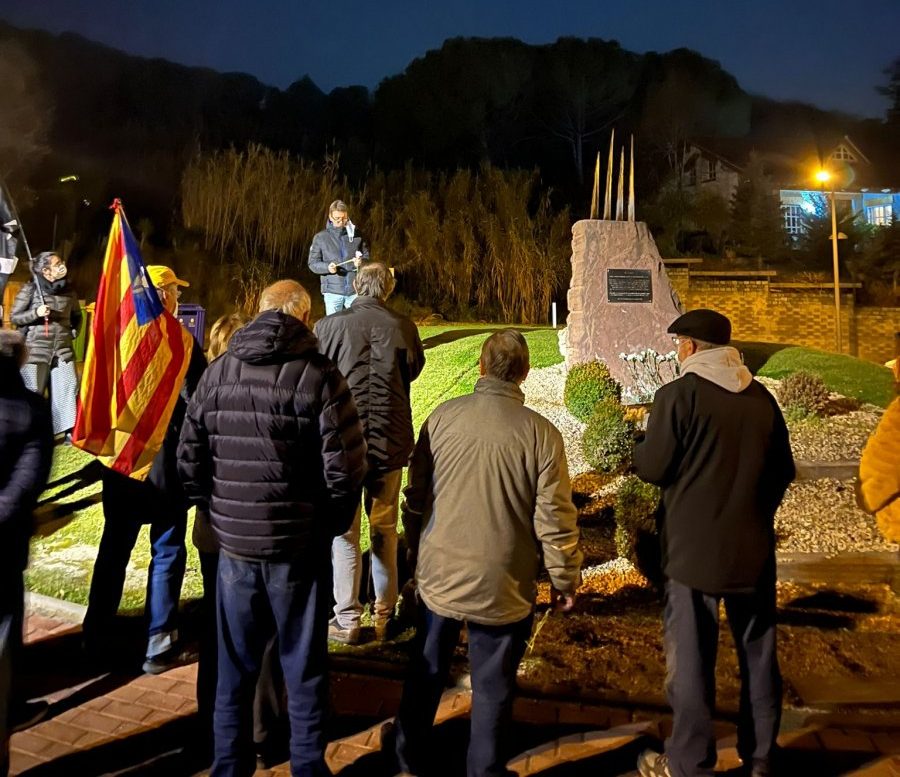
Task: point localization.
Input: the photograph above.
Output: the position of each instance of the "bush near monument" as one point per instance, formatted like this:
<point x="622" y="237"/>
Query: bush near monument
<point x="635" y="513"/>
<point x="803" y="395"/>
<point x="608" y="438"/>
<point x="586" y="385"/>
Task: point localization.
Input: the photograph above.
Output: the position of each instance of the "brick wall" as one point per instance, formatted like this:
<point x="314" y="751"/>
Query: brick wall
<point x="760" y="310"/>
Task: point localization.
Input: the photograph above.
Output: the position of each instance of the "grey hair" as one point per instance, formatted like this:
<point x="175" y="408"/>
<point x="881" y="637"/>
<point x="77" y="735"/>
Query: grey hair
<point x="703" y="345"/>
<point x="505" y="356"/>
<point x="12" y="347"/>
<point x="287" y="297"/>
<point x="374" y="280"/>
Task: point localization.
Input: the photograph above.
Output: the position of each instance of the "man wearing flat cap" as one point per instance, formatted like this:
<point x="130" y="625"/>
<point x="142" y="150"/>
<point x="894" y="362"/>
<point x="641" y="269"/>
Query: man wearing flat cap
<point x="717" y="446"/>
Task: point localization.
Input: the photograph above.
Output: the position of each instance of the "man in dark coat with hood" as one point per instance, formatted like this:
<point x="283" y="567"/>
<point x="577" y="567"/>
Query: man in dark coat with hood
<point x="380" y="353"/>
<point x="718" y="447"/>
<point x="273" y="442"/>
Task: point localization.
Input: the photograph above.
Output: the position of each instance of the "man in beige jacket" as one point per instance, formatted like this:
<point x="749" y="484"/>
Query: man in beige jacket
<point x="488" y="493"/>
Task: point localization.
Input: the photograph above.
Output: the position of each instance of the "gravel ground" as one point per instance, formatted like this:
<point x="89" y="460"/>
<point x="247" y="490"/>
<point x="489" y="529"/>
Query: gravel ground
<point x="821" y="516"/>
<point x="544" y="393"/>
<point x="816" y="516"/>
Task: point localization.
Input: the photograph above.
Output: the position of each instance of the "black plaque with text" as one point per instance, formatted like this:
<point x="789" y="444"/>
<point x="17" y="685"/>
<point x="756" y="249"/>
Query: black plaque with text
<point x="629" y="286"/>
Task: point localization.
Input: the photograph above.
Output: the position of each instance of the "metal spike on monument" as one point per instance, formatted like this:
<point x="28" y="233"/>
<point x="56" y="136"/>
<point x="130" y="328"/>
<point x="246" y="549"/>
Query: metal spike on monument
<point x="631" y="183"/>
<point x="620" y="191"/>
<point x="607" y="202"/>
<point x="595" y="196"/>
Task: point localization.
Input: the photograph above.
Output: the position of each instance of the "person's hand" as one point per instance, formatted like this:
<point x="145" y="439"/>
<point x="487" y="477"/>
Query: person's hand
<point x="43" y="311"/>
<point x="332" y="268"/>
<point x="357" y="262"/>
<point x="562" y="602"/>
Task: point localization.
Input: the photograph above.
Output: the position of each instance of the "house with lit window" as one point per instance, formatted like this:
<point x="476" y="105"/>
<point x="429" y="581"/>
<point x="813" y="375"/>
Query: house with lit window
<point x="860" y="186"/>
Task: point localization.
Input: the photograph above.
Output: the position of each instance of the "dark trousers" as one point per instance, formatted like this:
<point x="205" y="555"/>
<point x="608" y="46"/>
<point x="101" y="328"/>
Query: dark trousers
<point x="12" y="609"/>
<point x="691" y="639"/>
<point x="255" y="597"/>
<point x="270" y="728"/>
<point x="494" y="656"/>
<point x="126" y="505"/>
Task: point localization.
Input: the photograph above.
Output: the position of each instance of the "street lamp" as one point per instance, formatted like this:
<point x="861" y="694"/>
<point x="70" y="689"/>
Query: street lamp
<point x="823" y="177"/>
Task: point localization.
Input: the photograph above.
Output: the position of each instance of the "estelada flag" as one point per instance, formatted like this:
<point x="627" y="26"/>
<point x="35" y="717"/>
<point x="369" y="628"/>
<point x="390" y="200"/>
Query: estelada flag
<point x="135" y="364"/>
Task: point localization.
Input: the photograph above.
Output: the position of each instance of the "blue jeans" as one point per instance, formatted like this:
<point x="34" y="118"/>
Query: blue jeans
<point x="269" y="711"/>
<point x="337" y="302"/>
<point x="125" y="503"/>
<point x="255" y="599"/>
<point x="494" y="656"/>
<point x="691" y="622"/>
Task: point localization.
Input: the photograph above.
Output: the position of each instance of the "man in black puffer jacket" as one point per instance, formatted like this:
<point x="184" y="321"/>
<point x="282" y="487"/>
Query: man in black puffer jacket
<point x="380" y="353"/>
<point x="273" y="441"/>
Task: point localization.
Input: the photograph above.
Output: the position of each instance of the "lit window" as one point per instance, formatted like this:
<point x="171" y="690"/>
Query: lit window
<point x="710" y="169"/>
<point x="843" y="154"/>
<point x="879" y="215"/>
<point x="793" y="219"/>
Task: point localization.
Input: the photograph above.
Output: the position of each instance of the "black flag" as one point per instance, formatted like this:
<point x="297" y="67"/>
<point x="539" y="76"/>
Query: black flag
<point x="9" y="228"/>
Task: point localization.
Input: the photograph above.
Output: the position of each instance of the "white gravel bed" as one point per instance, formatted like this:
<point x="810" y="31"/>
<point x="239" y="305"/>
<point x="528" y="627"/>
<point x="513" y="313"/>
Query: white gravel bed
<point x="821" y="516"/>
<point x="544" y="393"/>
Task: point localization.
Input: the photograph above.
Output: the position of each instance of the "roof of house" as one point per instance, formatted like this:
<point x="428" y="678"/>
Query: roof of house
<point x="791" y="161"/>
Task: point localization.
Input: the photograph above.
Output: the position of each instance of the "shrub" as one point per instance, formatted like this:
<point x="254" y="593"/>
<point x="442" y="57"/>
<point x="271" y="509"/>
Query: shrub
<point x="608" y="438"/>
<point x="803" y="395"/>
<point x="636" y="538"/>
<point x="586" y="385"/>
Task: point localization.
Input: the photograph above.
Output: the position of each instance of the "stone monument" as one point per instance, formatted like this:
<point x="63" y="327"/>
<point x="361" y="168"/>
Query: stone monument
<point x="620" y="299"/>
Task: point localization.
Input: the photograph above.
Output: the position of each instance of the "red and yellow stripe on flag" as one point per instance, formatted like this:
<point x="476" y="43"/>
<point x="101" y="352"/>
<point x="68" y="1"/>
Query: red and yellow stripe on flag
<point x="135" y="364"/>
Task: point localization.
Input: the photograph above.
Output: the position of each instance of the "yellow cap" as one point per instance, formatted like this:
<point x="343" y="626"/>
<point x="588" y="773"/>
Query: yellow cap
<point x="164" y="276"/>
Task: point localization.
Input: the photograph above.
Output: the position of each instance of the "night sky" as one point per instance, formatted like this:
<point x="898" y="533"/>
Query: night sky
<point x="830" y="53"/>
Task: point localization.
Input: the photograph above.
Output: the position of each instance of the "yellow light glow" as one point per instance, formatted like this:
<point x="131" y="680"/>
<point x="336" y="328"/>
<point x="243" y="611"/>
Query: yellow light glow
<point x="823" y="176"/>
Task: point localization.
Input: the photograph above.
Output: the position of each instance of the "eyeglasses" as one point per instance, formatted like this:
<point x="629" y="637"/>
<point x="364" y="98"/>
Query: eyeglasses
<point x="679" y="340"/>
<point x="174" y="290"/>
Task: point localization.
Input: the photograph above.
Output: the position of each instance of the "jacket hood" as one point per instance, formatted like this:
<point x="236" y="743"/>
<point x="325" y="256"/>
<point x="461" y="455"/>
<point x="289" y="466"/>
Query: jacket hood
<point x="272" y="337"/>
<point x="722" y="366"/>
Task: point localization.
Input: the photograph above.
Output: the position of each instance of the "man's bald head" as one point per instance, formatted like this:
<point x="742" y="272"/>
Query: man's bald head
<point x="288" y="297"/>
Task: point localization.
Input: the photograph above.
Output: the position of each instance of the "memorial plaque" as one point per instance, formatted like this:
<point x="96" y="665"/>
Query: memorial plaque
<point x="614" y="264"/>
<point x="629" y="286"/>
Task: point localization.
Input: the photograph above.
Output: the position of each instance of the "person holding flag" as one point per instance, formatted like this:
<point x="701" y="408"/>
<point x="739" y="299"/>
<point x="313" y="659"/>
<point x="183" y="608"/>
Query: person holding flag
<point x="46" y="309"/>
<point x="141" y="367"/>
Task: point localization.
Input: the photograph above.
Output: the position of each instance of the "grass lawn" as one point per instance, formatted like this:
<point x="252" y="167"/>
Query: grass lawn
<point x="865" y="381"/>
<point x="61" y="563"/>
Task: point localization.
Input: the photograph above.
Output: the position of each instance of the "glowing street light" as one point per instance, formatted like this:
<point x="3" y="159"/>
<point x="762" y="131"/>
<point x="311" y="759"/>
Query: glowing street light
<point x="823" y="177"/>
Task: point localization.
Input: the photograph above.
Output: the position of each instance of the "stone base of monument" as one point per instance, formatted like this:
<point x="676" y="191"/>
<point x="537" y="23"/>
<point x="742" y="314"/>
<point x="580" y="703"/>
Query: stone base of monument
<point x="620" y="299"/>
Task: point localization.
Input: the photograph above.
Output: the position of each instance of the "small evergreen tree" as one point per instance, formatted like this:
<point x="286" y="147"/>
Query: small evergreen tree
<point x="757" y="219"/>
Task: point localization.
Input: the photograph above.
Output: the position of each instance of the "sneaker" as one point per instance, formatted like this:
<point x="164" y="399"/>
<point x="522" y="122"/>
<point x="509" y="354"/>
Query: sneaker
<point x="653" y="764"/>
<point x="166" y="661"/>
<point x="344" y="636"/>
<point x="27" y="715"/>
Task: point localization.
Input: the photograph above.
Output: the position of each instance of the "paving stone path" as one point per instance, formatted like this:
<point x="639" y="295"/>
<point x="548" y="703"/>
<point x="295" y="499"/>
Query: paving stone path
<point x="112" y="724"/>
